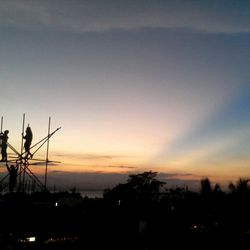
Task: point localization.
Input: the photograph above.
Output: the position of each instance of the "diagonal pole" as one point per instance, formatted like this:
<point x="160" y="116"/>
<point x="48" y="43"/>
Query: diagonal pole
<point x="13" y="149"/>
<point x="25" y="168"/>
<point x="45" y="138"/>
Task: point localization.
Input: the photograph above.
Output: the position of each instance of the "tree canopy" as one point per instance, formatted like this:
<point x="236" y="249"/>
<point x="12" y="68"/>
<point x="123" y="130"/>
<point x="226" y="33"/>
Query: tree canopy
<point x="143" y="185"/>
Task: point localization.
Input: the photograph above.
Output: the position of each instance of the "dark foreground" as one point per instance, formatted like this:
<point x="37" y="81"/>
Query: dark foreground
<point x="67" y="221"/>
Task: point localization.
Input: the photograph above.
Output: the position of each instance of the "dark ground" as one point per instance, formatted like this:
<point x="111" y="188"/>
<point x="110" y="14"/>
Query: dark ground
<point x="67" y="221"/>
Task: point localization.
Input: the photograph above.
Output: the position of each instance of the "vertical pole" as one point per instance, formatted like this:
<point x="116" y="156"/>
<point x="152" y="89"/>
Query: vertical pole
<point x="1" y="130"/>
<point x="21" y="157"/>
<point x="2" y="124"/>
<point x="22" y="134"/>
<point x="47" y="156"/>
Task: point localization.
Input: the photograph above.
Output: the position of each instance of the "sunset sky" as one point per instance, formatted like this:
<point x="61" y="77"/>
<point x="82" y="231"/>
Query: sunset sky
<point x="136" y="85"/>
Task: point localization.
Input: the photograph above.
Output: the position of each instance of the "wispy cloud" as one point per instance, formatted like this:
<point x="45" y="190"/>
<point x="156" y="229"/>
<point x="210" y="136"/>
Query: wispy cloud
<point x="122" y="167"/>
<point x="44" y="163"/>
<point x="174" y="175"/>
<point x="90" y="156"/>
<point x="94" y="15"/>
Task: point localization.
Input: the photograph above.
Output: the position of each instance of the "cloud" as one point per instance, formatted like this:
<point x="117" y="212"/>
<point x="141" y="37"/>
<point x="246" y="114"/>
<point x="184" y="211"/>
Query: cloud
<point x="173" y="175"/>
<point x="50" y="163"/>
<point x="95" y="15"/>
<point x="90" y="156"/>
<point x="122" y="167"/>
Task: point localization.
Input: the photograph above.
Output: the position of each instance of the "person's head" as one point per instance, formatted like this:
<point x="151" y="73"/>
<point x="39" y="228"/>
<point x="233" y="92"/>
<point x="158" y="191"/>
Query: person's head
<point x="28" y="129"/>
<point x="6" y="132"/>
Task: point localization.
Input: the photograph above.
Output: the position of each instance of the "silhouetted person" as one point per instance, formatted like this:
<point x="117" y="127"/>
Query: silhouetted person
<point x="13" y="170"/>
<point x="4" y="137"/>
<point x="28" y="139"/>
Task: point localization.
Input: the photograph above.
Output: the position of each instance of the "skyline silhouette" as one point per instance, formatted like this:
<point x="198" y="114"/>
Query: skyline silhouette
<point x="135" y="214"/>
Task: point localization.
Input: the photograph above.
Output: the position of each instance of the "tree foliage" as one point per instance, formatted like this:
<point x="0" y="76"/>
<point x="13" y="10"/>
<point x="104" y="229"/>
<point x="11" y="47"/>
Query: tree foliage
<point x="143" y="185"/>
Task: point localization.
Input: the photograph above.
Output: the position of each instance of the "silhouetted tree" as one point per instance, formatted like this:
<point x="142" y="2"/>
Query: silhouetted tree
<point x="217" y="188"/>
<point x="206" y="187"/>
<point x="240" y="203"/>
<point x="232" y="187"/>
<point x="241" y="186"/>
<point x="240" y="190"/>
<point x="138" y="186"/>
<point x="145" y="183"/>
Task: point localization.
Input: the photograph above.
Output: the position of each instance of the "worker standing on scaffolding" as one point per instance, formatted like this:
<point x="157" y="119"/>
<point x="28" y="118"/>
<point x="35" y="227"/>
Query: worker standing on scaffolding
<point x="13" y="170"/>
<point x="28" y="139"/>
<point x="4" y="137"/>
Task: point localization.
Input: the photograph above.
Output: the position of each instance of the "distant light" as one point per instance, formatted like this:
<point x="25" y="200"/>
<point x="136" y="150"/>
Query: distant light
<point x="56" y="204"/>
<point x="119" y="202"/>
<point x="31" y="239"/>
<point x="172" y="207"/>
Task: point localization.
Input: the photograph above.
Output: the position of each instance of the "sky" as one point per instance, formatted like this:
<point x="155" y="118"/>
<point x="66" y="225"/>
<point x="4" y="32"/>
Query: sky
<point x="135" y="85"/>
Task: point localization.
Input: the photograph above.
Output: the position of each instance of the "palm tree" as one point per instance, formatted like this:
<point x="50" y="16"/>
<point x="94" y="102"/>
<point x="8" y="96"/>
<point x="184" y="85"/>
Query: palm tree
<point x="241" y="186"/>
<point x="206" y="187"/>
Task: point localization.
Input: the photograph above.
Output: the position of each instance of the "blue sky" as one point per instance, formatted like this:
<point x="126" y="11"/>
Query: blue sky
<point x="135" y="85"/>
